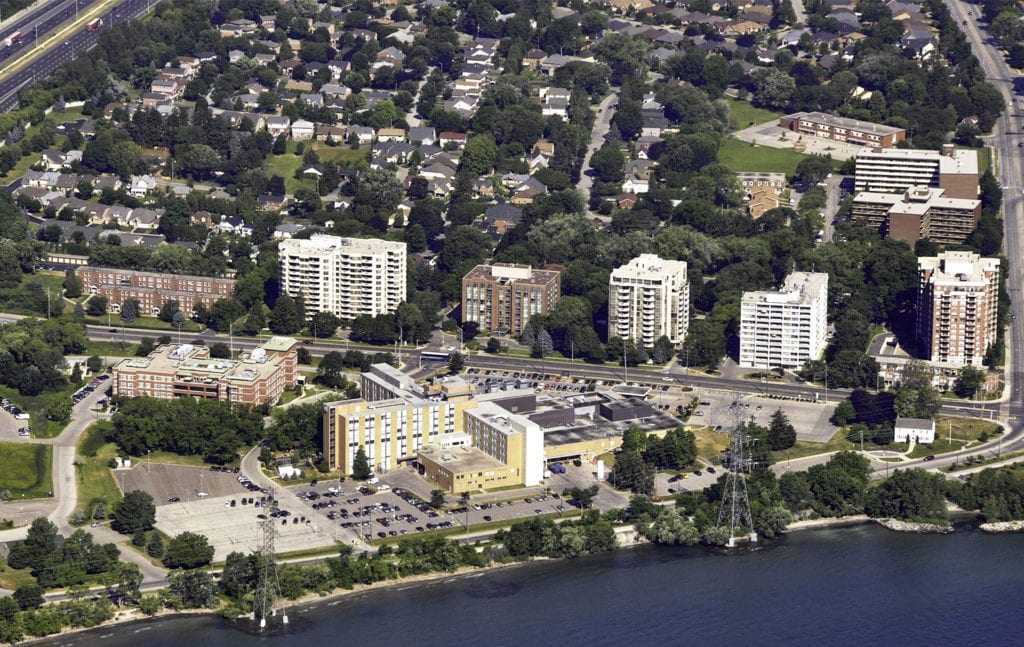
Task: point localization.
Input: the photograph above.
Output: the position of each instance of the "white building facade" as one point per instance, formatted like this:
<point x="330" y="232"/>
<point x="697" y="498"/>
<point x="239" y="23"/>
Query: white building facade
<point x="785" y="328"/>
<point x="348" y="277"/>
<point x="649" y="298"/>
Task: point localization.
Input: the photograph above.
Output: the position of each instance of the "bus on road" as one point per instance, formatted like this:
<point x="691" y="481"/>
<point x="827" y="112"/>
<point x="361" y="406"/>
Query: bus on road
<point x="94" y="25"/>
<point x="434" y="356"/>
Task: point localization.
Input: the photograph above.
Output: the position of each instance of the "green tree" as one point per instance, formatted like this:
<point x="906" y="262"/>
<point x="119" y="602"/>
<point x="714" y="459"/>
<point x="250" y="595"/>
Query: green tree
<point x="72" y="285"/>
<point x="286" y="318"/>
<point x="59" y="409"/>
<point x="437" y="498"/>
<point x="94" y="363"/>
<point x="814" y="168"/>
<point x="361" y="466"/>
<point x="188" y="550"/>
<point x="493" y="345"/>
<point x="135" y="512"/>
<point x="130" y="310"/>
<point x="775" y="89"/>
<point x="672" y="528"/>
<point x="479" y="155"/>
<point x="781" y="433"/>
<point x="29" y="596"/>
<point x="969" y="381"/>
<point x="912" y="495"/>
<point x="155" y="547"/>
<point x="96" y="306"/>
<point x="168" y="310"/>
<point x="456" y="363"/>
<point x="195" y="589"/>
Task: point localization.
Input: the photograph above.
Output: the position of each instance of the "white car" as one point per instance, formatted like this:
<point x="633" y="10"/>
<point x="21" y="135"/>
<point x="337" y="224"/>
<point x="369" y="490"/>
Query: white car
<point x="451" y="348"/>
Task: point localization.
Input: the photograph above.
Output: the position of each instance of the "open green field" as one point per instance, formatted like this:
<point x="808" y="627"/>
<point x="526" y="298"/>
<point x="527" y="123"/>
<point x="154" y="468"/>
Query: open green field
<point x="95" y="481"/>
<point x="27" y="161"/>
<point x="25" y="470"/>
<point x="742" y="114"/>
<point x="741" y="156"/>
<point x="711" y="443"/>
<point x="286" y="165"/>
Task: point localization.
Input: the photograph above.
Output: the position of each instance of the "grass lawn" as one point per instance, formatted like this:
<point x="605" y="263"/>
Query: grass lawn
<point x="711" y="443"/>
<point x="25" y="162"/>
<point x="145" y="323"/>
<point x="964" y="432"/>
<point x="11" y="578"/>
<point x="741" y="156"/>
<point x="109" y="349"/>
<point x="804" y="448"/>
<point x="25" y="470"/>
<point x="742" y="114"/>
<point x="175" y="459"/>
<point x="95" y="481"/>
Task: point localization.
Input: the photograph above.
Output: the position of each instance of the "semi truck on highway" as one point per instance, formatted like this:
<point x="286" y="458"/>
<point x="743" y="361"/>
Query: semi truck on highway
<point x="94" y="25"/>
<point x="12" y="39"/>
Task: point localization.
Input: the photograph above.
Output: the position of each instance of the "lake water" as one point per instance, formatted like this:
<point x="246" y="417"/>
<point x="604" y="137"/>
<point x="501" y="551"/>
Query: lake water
<point x="857" y="585"/>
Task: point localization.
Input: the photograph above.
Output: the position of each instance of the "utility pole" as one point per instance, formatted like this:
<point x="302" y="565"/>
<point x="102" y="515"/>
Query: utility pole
<point x="231" y="338"/>
<point x="625" y="361"/>
<point x="47" y="303"/>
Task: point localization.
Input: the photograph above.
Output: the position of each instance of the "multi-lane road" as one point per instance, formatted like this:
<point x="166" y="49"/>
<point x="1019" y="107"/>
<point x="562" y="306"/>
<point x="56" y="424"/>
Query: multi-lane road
<point x="60" y="52"/>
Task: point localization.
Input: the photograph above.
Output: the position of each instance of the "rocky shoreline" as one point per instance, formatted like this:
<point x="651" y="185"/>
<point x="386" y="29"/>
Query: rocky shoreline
<point x="898" y="525"/>
<point x="1002" y="526"/>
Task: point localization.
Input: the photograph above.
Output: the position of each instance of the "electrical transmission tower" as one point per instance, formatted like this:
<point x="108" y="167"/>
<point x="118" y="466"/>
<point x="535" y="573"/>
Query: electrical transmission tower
<point x="735" y="506"/>
<point x="267" y="599"/>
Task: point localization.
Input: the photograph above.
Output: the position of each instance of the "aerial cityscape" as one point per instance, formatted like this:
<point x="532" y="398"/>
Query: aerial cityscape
<point x="303" y="298"/>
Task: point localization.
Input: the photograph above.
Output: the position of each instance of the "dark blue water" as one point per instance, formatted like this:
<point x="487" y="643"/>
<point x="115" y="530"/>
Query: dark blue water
<point x="860" y="585"/>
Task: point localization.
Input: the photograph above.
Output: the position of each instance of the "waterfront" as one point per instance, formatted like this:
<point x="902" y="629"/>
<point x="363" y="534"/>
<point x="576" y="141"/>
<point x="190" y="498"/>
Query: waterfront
<point x="861" y="584"/>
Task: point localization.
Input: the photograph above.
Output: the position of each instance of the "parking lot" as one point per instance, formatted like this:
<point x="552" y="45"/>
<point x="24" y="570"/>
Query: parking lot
<point x="493" y="380"/>
<point x="165" y="481"/>
<point x="810" y="419"/>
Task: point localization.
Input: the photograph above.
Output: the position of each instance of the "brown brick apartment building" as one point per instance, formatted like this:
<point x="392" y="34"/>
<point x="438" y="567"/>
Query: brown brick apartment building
<point x="502" y="297"/>
<point x="187" y="371"/>
<point x="840" y="129"/>
<point x="152" y="289"/>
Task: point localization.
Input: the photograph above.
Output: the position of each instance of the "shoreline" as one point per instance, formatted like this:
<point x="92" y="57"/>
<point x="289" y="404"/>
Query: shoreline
<point x="133" y="615"/>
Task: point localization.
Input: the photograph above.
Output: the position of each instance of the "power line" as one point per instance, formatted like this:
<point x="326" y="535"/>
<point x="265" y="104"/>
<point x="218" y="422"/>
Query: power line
<point x="267" y="600"/>
<point x="735" y="502"/>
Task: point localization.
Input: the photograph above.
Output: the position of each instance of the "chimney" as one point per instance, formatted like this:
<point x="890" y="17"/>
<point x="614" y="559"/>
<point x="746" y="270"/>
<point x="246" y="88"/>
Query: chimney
<point x="949" y="150"/>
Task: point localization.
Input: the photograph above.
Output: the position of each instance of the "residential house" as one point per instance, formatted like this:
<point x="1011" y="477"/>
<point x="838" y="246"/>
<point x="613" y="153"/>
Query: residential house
<point x="458" y="139"/>
<point x="303" y="130"/>
<point x="363" y="134"/>
<point x="422" y="135"/>
<point x="141" y="185"/>
<point x="234" y="225"/>
<point x="636" y="184"/>
<point x="390" y="135"/>
<point x="527" y="191"/>
<point x="277" y="125"/>
<point x="327" y="132"/>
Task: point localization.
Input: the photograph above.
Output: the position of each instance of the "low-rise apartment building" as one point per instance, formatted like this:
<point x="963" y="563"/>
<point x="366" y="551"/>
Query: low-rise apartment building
<point x="841" y="129"/>
<point x="153" y="289"/>
<point x="188" y="371"/>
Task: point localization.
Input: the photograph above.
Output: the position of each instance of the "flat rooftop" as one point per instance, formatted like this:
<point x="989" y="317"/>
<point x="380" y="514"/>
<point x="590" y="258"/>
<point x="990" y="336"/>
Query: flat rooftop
<point x="460" y="459"/>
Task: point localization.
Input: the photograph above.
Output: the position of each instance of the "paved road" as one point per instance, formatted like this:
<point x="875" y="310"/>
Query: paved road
<point x="602" y="123"/>
<point x="61" y="52"/>
<point x="41" y="18"/>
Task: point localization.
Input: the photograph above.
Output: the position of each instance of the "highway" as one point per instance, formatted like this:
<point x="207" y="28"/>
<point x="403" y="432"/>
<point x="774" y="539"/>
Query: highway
<point x="39" y="19"/>
<point x="73" y="45"/>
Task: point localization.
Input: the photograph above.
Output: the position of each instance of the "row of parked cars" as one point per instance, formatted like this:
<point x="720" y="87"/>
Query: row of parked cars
<point x="12" y="409"/>
<point x="94" y="384"/>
